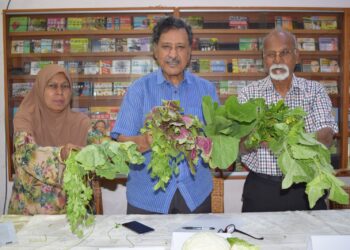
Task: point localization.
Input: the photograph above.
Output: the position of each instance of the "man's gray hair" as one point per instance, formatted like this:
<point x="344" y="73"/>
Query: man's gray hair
<point x="280" y="31"/>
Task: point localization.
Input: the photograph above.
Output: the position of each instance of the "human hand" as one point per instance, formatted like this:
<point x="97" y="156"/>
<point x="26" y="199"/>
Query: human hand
<point x="145" y="144"/>
<point x="66" y="149"/>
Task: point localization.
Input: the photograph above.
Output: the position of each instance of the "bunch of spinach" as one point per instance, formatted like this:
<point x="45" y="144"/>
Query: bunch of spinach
<point x="104" y="160"/>
<point x="300" y="156"/>
<point x="175" y="137"/>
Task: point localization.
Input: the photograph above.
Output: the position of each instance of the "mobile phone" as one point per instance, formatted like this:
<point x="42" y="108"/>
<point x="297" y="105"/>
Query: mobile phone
<point x="137" y="227"/>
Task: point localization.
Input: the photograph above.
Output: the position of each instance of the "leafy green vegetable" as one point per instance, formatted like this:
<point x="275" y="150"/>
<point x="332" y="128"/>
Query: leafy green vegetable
<point x="300" y="156"/>
<point x="239" y="244"/>
<point x="104" y="160"/>
<point x="175" y="137"/>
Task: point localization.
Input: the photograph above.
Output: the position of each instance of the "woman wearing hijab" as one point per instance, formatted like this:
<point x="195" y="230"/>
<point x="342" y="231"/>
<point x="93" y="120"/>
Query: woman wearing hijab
<point x="45" y="131"/>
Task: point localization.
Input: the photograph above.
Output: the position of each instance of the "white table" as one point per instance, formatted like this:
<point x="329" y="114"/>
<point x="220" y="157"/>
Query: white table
<point x="281" y="230"/>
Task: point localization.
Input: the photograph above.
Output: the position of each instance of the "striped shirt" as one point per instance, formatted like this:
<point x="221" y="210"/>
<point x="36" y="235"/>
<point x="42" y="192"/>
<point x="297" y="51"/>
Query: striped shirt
<point x="142" y="95"/>
<point x="309" y="95"/>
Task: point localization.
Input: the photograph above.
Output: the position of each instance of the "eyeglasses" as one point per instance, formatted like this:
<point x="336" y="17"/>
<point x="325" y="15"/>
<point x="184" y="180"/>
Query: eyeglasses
<point x="231" y="228"/>
<point x="55" y="86"/>
<point x="283" y="54"/>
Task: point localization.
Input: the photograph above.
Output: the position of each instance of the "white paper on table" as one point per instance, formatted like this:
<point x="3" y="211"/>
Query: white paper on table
<point x="210" y="220"/>
<point x="327" y="242"/>
<point x="7" y="233"/>
<point x="133" y="248"/>
<point x="179" y="238"/>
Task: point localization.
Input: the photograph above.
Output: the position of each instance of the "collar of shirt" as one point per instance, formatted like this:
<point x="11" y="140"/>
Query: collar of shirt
<point x="296" y="84"/>
<point x="161" y="79"/>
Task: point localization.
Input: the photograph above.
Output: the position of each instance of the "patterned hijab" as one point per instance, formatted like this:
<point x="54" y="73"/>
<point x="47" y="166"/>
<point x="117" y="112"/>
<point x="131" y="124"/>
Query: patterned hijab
<point x="47" y="127"/>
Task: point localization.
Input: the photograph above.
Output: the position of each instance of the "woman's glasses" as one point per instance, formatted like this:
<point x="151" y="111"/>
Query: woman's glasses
<point x="231" y="228"/>
<point x="55" y="86"/>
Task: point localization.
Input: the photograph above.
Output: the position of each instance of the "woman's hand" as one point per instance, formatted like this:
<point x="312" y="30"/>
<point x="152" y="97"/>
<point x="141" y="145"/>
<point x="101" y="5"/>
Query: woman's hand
<point x="65" y="150"/>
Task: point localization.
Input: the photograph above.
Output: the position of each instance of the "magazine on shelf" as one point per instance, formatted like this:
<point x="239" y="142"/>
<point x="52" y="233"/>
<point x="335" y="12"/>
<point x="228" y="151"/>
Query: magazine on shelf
<point x="121" y="66"/>
<point x="284" y="22"/>
<point x="35" y="46"/>
<point x="204" y="65"/>
<point x="329" y="65"/>
<point x="105" y="116"/>
<point x="18" y="24"/>
<point x="36" y="66"/>
<point x="328" y="43"/>
<point x="37" y="24"/>
<point x="58" y="46"/>
<point x="248" y="44"/>
<point x="235" y="68"/>
<point x="208" y="44"/>
<point x="46" y="46"/>
<point x="218" y="66"/>
<point x="56" y="24"/>
<point x="331" y="86"/>
<point x="79" y="45"/>
<point x="310" y="65"/>
<point x="91" y="68"/>
<point x="121" y="45"/>
<point x="103" y="89"/>
<point x="196" y="22"/>
<point x="238" y="22"/>
<point x="140" y="22"/>
<point x="125" y="23"/>
<point x="96" y="23"/>
<point x="74" y="67"/>
<point x="246" y="65"/>
<point x="20" y="47"/>
<point x="306" y="43"/>
<point x="141" y="66"/>
<point x="120" y="88"/>
<point x="105" y="66"/>
<point x="21" y="89"/>
<point x="82" y="88"/>
<point x="75" y="23"/>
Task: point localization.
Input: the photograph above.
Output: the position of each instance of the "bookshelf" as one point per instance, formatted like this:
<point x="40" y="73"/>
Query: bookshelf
<point x="213" y="23"/>
<point x="260" y="21"/>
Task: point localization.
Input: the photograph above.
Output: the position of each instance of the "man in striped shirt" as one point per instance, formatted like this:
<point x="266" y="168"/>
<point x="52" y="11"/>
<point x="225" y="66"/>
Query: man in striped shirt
<point x="262" y="189"/>
<point x="185" y="193"/>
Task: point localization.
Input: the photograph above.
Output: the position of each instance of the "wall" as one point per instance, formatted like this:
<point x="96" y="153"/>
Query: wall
<point x="113" y="197"/>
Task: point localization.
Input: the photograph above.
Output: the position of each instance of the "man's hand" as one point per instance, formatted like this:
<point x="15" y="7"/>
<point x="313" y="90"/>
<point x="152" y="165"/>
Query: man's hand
<point x="143" y="141"/>
<point x="325" y="136"/>
<point x="65" y="150"/>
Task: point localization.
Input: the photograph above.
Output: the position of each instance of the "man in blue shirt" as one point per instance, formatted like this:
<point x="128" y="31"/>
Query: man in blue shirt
<point x="185" y="193"/>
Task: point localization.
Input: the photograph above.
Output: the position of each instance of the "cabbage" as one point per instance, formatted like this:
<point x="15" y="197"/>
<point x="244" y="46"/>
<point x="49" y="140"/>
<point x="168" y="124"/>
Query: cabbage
<point x="239" y="244"/>
<point x="206" y="241"/>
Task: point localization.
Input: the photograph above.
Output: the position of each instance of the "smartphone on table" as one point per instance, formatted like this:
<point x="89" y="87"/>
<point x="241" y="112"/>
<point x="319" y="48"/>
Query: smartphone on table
<point x="137" y="227"/>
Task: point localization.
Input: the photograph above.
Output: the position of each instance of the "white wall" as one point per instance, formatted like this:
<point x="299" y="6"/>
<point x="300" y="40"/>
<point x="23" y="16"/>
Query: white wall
<point x="114" y="201"/>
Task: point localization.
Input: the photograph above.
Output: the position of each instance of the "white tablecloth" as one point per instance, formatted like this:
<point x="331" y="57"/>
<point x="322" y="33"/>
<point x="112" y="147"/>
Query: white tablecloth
<point x="281" y="230"/>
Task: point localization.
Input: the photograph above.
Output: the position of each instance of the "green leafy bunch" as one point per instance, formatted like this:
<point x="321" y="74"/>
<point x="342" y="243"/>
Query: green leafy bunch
<point x="175" y="137"/>
<point x="300" y="156"/>
<point x="105" y="160"/>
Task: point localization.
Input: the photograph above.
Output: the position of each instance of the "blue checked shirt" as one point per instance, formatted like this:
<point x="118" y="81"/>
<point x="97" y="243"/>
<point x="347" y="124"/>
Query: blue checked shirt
<point x="309" y="95"/>
<point x="141" y="97"/>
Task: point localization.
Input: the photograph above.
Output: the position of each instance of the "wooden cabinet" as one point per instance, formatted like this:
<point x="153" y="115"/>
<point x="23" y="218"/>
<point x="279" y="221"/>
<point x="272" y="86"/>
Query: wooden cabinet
<point x="226" y="50"/>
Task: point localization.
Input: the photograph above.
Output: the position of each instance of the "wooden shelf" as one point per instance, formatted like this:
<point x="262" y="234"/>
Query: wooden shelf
<point x="15" y="62"/>
<point x="82" y="77"/>
<point x="84" y="101"/>
<point x="83" y="55"/>
<point x="81" y="33"/>
<point x="263" y="31"/>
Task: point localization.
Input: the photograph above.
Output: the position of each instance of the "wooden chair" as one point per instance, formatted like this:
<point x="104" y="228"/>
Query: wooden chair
<point x="334" y="205"/>
<point x="217" y="196"/>
<point x="97" y="195"/>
